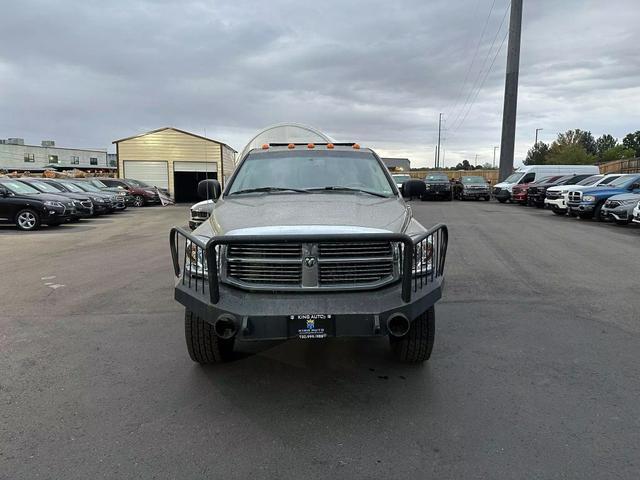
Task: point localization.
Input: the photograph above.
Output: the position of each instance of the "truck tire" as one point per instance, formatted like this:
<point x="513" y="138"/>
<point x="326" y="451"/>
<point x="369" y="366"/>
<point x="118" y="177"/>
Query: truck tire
<point x="502" y="200"/>
<point x="204" y="346"/>
<point x="560" y="212"/>
<point x="417" y="344"/>
<point x="27" y="220"/>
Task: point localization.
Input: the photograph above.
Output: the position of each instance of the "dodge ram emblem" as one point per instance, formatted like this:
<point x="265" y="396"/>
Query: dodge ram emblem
<point x="310" y="262"/>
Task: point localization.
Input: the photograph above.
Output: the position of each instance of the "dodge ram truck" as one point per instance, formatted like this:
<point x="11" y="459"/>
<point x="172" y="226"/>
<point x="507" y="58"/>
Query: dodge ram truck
<point x="589" y="203"/>
<point x="309" y="241"/>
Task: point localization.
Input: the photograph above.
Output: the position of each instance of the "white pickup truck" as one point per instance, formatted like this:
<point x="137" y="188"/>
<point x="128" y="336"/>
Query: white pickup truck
<point x="556" y="198"/>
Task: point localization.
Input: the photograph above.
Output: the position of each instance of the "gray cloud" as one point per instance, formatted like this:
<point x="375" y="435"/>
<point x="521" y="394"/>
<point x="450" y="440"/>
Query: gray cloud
<point x="379" y="72"/>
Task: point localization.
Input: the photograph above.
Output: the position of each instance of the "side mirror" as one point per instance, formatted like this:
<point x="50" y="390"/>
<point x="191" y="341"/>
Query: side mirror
<point x="635" y="186"/>
<point x="3" y="191"/>
<point x="209" y="190"/>
<point x="414" y="188"/>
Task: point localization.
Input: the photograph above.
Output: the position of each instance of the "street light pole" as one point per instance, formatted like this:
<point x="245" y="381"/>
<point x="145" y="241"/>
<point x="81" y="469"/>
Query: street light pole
<point x="494" y="156"/>
<point x="537" y="130"/>
<point x="439" y="130"/>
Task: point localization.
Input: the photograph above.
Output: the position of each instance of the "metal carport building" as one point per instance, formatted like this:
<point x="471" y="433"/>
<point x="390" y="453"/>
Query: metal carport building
<point x="174" y="159"/>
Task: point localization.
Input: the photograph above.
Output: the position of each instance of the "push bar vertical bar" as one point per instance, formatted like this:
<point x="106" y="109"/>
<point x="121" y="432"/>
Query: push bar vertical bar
<point x="212" y="272"/>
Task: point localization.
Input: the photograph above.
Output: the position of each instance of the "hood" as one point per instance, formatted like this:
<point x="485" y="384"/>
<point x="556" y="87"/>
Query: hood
<point x="626" y="196"/>
<point x="294" y="213"/>
<point x="75" y="196"/>
<point x="604" y="191"/>
<point x="43" y="197"/>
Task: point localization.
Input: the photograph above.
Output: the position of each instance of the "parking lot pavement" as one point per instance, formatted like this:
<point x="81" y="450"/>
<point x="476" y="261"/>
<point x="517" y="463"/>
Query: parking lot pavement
<point x="534" y="372"/>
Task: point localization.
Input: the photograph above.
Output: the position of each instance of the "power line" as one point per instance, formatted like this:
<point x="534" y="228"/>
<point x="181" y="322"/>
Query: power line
<point x="455" y="126"/>
<point x="475" y="54"/>
<point x="504" y="38"/>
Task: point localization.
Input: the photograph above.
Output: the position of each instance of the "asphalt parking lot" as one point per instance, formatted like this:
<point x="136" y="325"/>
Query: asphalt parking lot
<point x="534" y="372"/>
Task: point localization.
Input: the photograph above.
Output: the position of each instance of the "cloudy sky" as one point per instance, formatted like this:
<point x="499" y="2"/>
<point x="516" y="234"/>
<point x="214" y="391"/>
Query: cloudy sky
<point x="378" y="72"/>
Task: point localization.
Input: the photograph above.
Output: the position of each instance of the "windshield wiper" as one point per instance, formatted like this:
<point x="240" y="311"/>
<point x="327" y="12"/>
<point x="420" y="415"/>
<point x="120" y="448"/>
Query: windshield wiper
<point x="338" y="188"/>
<point x="269" y="189"/>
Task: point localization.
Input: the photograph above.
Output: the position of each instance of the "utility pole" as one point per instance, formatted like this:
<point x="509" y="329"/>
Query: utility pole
<point x="439" y="130"/>
<point x="435" y="158"/>
<point x="494" y="156"/>
<point x="537" y="130"/>
<point x="511" y="91"/>
<point x="476" y="161"/>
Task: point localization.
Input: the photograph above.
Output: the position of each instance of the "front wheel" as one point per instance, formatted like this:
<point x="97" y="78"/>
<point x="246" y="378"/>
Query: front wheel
<point x="204" y="346"/>
<point x="559" y="212"/>
<point x="417" y="344"/>
<point x="138" y="201"/>
<point x="502" y="200"/>
<point x="28" y="220"/>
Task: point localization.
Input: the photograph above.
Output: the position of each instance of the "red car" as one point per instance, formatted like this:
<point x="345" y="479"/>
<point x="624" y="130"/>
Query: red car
<point x="519" y="193"/>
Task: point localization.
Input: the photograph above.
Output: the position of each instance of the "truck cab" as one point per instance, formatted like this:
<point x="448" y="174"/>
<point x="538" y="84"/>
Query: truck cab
<point x="309" y="241"/>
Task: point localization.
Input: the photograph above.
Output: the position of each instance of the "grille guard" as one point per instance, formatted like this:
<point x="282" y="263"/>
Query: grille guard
<point x="191" y="271"/>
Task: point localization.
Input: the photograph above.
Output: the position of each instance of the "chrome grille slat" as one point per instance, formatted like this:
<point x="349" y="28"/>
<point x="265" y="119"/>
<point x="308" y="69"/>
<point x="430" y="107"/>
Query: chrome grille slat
<point x="350" y="264"/>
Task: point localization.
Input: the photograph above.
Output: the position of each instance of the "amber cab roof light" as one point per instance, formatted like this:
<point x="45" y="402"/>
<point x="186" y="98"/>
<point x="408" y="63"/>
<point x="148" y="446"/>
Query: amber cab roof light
<point x="265" y="146"/>
<point x="310" y="145"/>
<point x="330" y="146"/>
<point x="356" y="146"/>
<point x="291" y="145"/>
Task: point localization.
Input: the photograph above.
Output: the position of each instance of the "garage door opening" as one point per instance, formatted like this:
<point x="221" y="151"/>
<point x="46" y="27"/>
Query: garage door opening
<point x="185" y="185"/>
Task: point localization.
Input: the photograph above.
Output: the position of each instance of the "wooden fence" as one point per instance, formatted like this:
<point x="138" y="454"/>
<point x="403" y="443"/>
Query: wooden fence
<point x="628" y="165"/>
<point x="490" y="175"/>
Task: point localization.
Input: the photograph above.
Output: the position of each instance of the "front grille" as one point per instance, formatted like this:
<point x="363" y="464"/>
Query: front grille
<point x="439" y="187"/>
<point x="554" y="195"/>
<point x="532" y="190"/>
<point x="575" y="197"/>
<point x="311" y="265"/>
<point x="86" y="203"/>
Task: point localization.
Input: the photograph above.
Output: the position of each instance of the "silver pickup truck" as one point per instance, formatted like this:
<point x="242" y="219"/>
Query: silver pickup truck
<point x="308" y="241"/>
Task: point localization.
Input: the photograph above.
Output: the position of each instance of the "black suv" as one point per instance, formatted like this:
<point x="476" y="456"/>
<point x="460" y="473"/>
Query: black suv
<point x="28" y="208"/>
<point x="438" y="186"/>
<point x="83" y="204"/>
<point x="102" y="202"/>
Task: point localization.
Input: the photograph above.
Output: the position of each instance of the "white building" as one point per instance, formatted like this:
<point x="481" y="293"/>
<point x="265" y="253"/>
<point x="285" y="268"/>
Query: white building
<point x="15" y="155"/>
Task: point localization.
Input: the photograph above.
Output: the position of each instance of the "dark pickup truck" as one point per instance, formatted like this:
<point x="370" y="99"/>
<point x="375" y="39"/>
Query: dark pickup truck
<point x="309" y="241"/>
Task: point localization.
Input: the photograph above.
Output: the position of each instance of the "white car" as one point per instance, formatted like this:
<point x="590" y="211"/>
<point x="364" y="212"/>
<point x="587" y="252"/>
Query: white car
<point x="636" y="214"/>
<point x="556" y="198"/>
<point x="199" y="213"/>
<point x="400" y="178"/>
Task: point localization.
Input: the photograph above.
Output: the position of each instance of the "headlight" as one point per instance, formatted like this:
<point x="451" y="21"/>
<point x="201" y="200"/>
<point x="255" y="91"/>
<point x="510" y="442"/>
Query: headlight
<point x="588" y="198"/>
<point x="50" y="203"/>
<point x="628" y="202"/>
<point x="122" y="194"/>
<point x="564" y="192"/>
<point x="196" y="264"/>
<point x="423" y="262"/>
<point x="97" y="200"/>
<point x="428" y="186"/>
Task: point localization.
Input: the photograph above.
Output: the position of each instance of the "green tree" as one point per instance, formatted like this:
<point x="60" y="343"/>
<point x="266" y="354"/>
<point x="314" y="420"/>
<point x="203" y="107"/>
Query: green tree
<point x="604" y="143"/>
<point x="466" y="165"/>
<point x="632" y="140"/>
<point x="569" y="154"/>
<point x="578" y="137"/>
<point x="617" y="153"/>
<point x="537" y="155"/>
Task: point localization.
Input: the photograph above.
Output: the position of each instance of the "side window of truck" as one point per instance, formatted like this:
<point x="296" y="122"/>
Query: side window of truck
<point x="528" y="178"/>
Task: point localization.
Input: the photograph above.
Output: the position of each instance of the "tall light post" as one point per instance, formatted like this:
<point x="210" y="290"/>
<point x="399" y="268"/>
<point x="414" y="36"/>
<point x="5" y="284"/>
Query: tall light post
<point x="494" y="156"/>
<point x="511" y="91"/>
<point x="537" y="130"/>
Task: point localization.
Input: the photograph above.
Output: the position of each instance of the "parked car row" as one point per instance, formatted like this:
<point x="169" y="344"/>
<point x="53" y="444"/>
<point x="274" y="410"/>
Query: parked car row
<point x="438" y="186"/>
<point x="614" y="197"/>
<point x="30" y="202"/>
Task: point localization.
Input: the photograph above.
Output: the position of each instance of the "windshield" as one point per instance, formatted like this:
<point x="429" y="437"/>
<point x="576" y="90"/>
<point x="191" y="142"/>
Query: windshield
<point x="513" y="178"/>
<point x="608" y="180"/>
<point x="401" y="178"/>
<point x="87" y="187"/>
<point x="45" y="187"/>
<point x="97" y="183"/>
<point x="473" y="180"/>
<point x="19" y="187"/>
<point x="73" y="187"/>
<point x="590" y="180"/>
<point x="303" y="171"/>
<point x="623" y="181"/>
<point x="138" y="183"/>
<point x="437" y="177"/>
